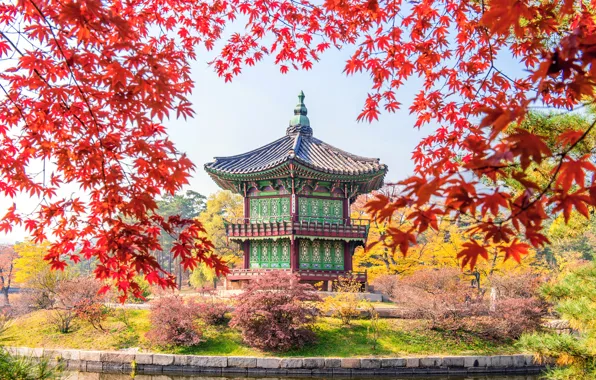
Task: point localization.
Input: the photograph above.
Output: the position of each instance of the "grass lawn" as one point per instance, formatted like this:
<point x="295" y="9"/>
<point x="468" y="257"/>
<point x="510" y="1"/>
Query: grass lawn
<point x="127" y="329"/>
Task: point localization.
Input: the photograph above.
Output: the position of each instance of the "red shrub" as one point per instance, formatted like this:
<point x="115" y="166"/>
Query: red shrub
<point x="211" y="311"/>
<point x="388" y="284"/>
<point x="451" y="304"/>
<point x="276" y="312"/>
<point x="173" y="322"/>
<point x="70" y="294"/>
<point x="92" y="312"/>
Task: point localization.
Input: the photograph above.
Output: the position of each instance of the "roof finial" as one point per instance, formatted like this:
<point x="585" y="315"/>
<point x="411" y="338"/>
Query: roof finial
<point x="300" y="123"/>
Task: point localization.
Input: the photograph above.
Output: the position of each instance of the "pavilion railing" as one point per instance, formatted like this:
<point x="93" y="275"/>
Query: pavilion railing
<point x="330" y="274"/>
<point x="331" y="227"/>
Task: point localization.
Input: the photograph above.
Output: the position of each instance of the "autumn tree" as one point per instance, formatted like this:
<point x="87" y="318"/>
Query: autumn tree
<point x="87" y="85"/>
<point x="7" y="259"/>
<point x="34" y="273"/>
<point x="221" y="206"/>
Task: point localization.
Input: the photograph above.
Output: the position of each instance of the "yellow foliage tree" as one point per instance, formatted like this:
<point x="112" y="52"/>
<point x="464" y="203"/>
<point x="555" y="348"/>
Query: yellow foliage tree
<point x="223" y="205"/>
<point x="30" y="264"/>
<point x="434" y="249"/>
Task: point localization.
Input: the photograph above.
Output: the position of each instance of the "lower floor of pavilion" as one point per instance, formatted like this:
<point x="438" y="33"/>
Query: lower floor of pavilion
<point x="314" y="260"/>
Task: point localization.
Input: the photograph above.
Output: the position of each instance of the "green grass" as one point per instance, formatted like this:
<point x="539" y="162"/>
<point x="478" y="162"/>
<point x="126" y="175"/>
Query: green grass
<point x="397" y="337"/>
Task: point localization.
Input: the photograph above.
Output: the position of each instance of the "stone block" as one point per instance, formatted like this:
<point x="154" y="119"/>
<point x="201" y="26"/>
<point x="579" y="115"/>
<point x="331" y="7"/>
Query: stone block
<point x="268" y="363"/>
<point x="144" y="358"/>
<point x="117" y="357"/>
<point x="229" y="369"/>
<point x="163" y="359"/>
<point x="210" y="370"/>
<point x="332" y="362"/>
<point x="95" y="366"/>
<point x="74" y="365"/>
<point x="299" y="372"/>
<point x="313" y="362"/>
<point x="112" y="367"/>
<point x="474" y="361"/>
<point x="182" y="360"/>
<point x="208" y="361"/>
<point x="530" y="360"/>
<point x="322" y="371"/>
<point x="257" y="372"/>
<point x="501" y="361"/>
<point x="412" y="362"/>
<point x="370" y="363"/>
<point x="90" y="356"/>
<point x="71" y="355"/>
<point x="152" y="369"/>
<point x="350" y="363"/>
<point x="393" y="362"/>
<point x="291" y="363"/>
<point x="242" y="362"/>
<point x="430" y="362"/>
<point x="173" y="369"/>
<point x="453" y="361"/>
<point x="518" y="360"/>
<point x="52" y="354"/>
<point x="346" y="372"/>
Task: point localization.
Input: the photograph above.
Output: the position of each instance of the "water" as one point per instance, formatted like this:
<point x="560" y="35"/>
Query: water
<point x="113" y="376"/>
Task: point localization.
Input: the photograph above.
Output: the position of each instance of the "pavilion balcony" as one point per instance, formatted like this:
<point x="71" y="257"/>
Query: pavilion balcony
<point x="245" y="228"/>
<point x="304" y="274"/>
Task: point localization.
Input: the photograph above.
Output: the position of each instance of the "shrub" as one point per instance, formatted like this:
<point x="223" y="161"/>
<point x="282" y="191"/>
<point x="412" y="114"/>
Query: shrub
<point x="438" y="295"/>
<point x="211" y="311"/>
<point x="69" y="295"/>
<point x="173" y="322"/>
<point x="92" y="312"/>
<point x="276" y="312"/>
<point x="387" y="284"/>
<point x="344" y="304"/>
<point x="441" y="297"/>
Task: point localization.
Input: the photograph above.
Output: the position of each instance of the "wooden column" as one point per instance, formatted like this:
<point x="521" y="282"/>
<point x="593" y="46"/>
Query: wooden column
<point x="246" y="263"/>
<point x="347" y="256"/>
<point x="294" y="264"/>
<point x="246" y="208"/>
<point x="346" y="211"/>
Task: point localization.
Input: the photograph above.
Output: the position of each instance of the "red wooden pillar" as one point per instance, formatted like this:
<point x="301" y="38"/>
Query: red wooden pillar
<point x="294" y="264"/>
<point x="246" y="263"/>
<point x="246" y="209"/>
<point x="347" y="256"/>
<point x="346" y="211"/>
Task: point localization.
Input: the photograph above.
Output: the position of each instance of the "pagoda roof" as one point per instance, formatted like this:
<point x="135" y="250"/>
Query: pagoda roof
<point x="300" y="147"/>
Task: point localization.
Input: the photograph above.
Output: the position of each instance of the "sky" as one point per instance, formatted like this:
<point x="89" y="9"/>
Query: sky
<point x="255" y="108"/>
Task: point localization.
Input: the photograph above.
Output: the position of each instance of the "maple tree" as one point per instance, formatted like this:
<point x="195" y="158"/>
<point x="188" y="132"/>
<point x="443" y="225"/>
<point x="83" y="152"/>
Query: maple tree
<point x="87" y="85"/>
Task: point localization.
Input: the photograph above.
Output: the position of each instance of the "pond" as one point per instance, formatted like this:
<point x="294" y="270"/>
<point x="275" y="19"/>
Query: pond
<point x="112" y="376"/>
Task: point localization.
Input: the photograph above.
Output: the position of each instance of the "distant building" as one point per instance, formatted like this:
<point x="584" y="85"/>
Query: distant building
<point x="297" y="193"/>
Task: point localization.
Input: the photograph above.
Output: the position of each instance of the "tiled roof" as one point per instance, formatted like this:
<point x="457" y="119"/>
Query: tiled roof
<point x="304" y="149"/>
<point x="300" y="146"/>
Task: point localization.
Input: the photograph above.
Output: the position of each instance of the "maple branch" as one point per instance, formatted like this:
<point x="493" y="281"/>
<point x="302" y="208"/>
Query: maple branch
<point x="85" y="99"/>
<point x="15" y="104"/>
<point x="556" y="172"/>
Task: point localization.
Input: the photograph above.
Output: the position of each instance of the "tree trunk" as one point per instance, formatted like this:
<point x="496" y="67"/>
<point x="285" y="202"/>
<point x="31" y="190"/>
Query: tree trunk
<point x="5" y="296"/>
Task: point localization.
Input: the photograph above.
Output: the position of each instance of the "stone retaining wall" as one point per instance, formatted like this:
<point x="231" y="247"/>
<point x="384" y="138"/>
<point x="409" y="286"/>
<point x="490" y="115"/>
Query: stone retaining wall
<point x="148" y="363"/>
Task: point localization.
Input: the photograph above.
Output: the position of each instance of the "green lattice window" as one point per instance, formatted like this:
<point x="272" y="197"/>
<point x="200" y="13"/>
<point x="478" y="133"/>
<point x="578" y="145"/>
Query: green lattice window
<point x="320" y="210"/>
<point x="269" y="209"/>
<point x="270" y="254"/>
<point x="321" y="254"/>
